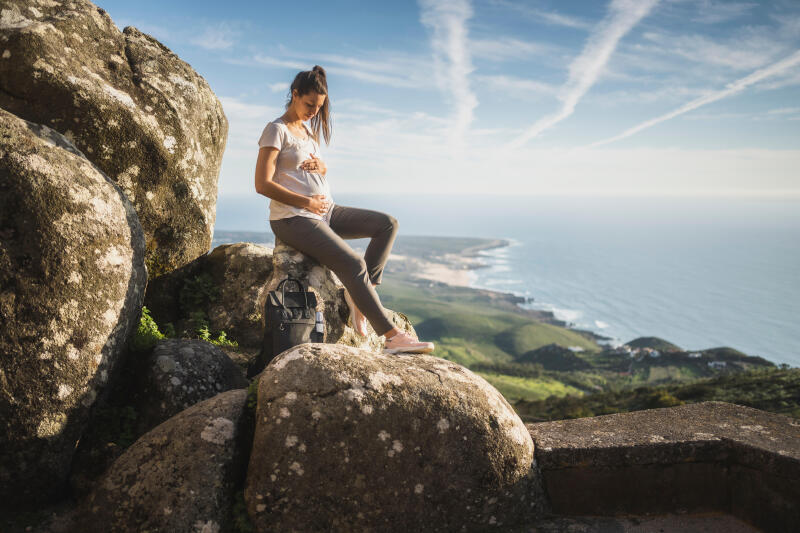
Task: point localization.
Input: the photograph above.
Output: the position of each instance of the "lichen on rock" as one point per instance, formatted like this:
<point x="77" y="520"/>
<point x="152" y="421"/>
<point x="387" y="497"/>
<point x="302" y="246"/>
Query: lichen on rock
<point x="179" y="477"/>
<point x="134" y="108"/>
<point x="72" y="280"/>
<point x="351" y="440"/>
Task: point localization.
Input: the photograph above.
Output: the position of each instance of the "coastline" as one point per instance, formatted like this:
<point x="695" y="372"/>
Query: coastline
<point x="458" y="270"/>
<point x="444" y="261"/>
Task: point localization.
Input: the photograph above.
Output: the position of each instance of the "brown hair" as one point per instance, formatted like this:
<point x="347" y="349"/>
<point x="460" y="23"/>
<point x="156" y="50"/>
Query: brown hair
<point x="314" y="80"/>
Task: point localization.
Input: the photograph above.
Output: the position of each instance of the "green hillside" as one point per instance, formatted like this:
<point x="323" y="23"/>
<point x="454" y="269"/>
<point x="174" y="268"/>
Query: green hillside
<point x="654" y="343"/>
<point x="769" y="389"/>
<point x="513" y="350"/>
<point x="467" y="330"/>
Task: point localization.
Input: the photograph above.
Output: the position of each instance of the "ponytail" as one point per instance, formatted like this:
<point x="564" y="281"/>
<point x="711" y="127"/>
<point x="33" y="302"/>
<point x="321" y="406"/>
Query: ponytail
<point x="315" y="80"/>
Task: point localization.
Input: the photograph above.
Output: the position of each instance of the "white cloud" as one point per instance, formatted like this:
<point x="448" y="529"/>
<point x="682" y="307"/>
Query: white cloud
<point x="381" y="71"/>
<point x="784" y="111"/>
<point x="547" y="17"/>
<point x="732" y="88"/>
<point x="743" y="52"/>
<point x="448" y="23"/>
<point x="246" y="121"/>
<point x="279" y="87"/>
<point x="518" y="86"/>
<point x="586" y="68"/>
<point x="713" y="12"/>
<point x="219" y="37"/>
<point x="270" y="61"/>
<point x="505" y="48"/>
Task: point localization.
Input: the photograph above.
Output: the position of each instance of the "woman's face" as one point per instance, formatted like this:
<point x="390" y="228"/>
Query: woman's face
<point x="308" y="105"/>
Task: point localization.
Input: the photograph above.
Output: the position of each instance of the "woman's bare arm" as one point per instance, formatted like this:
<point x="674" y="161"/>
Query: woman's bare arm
<point x="265" y="171"/>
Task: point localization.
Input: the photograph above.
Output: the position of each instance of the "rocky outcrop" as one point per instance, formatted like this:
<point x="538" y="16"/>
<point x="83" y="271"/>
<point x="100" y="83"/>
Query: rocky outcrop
<point x="330" y="295"/>
<point x="349" y="440"/>
<point x="229" y="288"/>
<point x="226" y="286"/>
<point x="179" y="477"/>
<point x="137" y="111"/>
<point x="705" y="457"/>
<point x="72" y="279"/>
<point x="180" y="373"/>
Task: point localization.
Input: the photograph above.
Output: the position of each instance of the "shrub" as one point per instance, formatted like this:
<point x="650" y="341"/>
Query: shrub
<point x="147" y="333"/>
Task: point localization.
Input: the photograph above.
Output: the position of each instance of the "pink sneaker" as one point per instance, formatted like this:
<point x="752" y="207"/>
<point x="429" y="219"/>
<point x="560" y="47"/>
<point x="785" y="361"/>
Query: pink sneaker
<point x="359" y="325"/>
<point x="402" y="342"/>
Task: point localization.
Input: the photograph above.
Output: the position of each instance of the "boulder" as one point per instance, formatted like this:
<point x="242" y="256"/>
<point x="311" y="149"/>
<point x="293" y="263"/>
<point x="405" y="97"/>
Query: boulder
<point x="229" y="287"/>
<point x="330" y="297"/>
<point x="180" y="373"/>
<point x="135" y="109"/>
<point x="179" y="477"/>
<point x="350" y="440"/>
<point x="153" y="387"/>
<point x="225" y="285"/>
<point x="72" y="280"/>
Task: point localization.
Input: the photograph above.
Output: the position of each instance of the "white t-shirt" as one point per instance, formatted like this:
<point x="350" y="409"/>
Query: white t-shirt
<point x="291" y="152"/>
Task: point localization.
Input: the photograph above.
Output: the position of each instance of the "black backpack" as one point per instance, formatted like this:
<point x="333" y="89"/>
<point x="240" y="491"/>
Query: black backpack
<point x="289" y="320"/>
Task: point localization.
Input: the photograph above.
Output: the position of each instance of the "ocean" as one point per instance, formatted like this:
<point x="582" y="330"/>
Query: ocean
<point x="698" y="272"/>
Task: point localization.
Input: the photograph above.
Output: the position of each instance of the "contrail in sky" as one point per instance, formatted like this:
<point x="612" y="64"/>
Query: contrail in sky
<point x="586" y="68"/>
<point x="731" y="88"/>
<point x="448" y="22"/>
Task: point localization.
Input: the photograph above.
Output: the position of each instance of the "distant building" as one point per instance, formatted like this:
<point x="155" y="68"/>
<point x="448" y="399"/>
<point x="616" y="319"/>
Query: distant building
<point x="575" y="349"/>
<point x="695" y="355"/>
<point x="622" y="350"/>
<point x="655" y="353"/>
<point x="717" y="364"/>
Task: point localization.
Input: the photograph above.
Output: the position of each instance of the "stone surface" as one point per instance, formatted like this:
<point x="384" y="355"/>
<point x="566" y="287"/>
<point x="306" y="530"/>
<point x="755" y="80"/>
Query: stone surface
<point x="72" y="278"/>
<point x="710" y="456"/>
<point x="330" y="298"/>
<point x="180" y="373"/>
<point x="350" y="440"/>
<point x="238" y="274"/>
<point x="135" y="109"/>
<point x="671" y="523"/>
<point x="179" y="477"/>
<point x="668" y="435"/>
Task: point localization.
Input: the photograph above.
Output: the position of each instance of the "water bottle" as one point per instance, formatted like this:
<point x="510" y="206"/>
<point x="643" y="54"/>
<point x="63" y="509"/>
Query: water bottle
<point x="319" y="329"/>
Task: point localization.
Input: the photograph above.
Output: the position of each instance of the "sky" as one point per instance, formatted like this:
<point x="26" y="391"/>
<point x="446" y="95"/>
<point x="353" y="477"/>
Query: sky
<point x="502" y="97"/>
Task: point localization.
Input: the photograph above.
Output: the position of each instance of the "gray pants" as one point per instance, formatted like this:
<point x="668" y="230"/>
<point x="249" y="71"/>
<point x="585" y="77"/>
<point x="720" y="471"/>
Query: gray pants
<point x="326" y="244"/>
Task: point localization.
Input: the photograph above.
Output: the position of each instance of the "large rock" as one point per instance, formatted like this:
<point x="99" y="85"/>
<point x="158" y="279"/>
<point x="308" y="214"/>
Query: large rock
<point x="137" y="111"/>
<point x="230" y="285"/>
<point x="153" y="387"/>
<point x="179" y="477"/>
<point x="72" y="280"/>
<point x="227" y="286"/>
<point x="180" y="373"/>
<point x="330" y="297"/>
<point x="349" y="440"/>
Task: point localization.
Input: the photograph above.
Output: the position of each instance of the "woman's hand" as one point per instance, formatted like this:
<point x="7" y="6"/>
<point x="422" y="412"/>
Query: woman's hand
<point x="315" y="164"/>
<point x="318" y="204"/>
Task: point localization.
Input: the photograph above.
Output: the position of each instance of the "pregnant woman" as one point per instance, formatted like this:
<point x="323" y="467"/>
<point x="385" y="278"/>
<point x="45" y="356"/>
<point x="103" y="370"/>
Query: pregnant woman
<point x="302" y="214"/>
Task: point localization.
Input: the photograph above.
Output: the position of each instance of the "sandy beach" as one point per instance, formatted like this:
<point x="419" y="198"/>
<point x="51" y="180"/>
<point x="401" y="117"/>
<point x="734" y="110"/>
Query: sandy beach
<point x="457" y="270"/>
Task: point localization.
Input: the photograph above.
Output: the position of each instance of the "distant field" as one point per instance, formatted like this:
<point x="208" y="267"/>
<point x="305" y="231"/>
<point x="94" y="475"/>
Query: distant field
<point x="769" y="389"/>
<point x="515" y="388"/>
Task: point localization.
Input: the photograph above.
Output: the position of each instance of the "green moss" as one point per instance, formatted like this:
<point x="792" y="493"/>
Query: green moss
<point x="252" y="396"/>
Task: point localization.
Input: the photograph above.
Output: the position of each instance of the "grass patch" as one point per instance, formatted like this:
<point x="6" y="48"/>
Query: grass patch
<point x="514" y="388"/>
